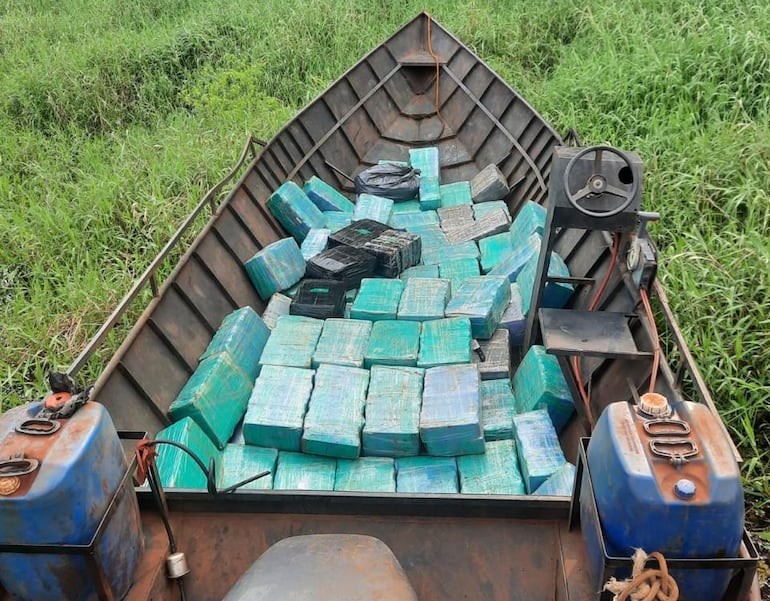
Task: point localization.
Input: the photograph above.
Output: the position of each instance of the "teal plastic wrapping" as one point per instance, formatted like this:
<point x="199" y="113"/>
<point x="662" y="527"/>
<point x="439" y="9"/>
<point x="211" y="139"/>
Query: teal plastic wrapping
<point x="420" y="271"/>
<point x="445" y="342"/>
<point x="430" y="234"/>
<point x="343" y="342"/>
<point x="292" y="292"/>
<point x="427" y="161"/>
<point x="392" y="426"/>
<point x="497" y="356"/>
<point x="373" y="207"/>
<point x="295" y="211"/>
<point x="175" y="467"/>
<point x="555" y="294"/>
<point x="296" y="471"/>
<point x="276" y="267"/>
<point x="377" y="299"/>
<point x="511" y="264"/>
<point x="325" y="197"/>
<point x="406" y="206"/>
<point x="540" y="454"/>
<point x="315" y="242"/>
<point x="242" y="335"/>
<point x="277" y="407"/>
<point x="457" y="271"/>
<point x="366" y="474"/>
<point x="393" y="343"/>
<point x="494" y="249"/>
<point x="560" y="484"/>
<point x="426" y="475"/>
<point x="514" y="319"/>
<point x="215" y="396"/>
<point x="240" y="462"/>
<point x="481" y="210"/>
<point x="448" y="252"/>
<point x="495" y="472"/>
<point x="483" y="300"/>
<point x="336" y="220"/>
<point x="539" y="384"/>
<point x="497" y="409"/>
<point x="292" y="342"/>
<point x="530" y="219"/>
<point x="402" y="220"/>
<point x="335" y="415"/>
<point x="455" y="194"/>
<point x="278" y="306"/>
<point x="423" y="299"/>
<point x="450" y="418"/>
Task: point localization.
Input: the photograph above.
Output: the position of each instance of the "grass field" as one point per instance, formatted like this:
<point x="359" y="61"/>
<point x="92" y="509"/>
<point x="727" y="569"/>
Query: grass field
<point x="115" y="116"/>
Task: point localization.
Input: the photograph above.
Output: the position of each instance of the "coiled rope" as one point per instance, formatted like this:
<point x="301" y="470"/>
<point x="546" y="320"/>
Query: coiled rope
<point x="645" y="584"/>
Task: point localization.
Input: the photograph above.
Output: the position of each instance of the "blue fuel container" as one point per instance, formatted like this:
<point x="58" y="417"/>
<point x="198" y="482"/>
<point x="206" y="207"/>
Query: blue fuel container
<point x="73" y="473"/>
<point x="664" y="479"/>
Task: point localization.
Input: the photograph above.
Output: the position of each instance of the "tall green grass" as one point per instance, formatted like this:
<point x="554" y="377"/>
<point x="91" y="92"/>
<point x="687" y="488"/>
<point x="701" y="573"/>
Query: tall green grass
<point x="115" y="117"/>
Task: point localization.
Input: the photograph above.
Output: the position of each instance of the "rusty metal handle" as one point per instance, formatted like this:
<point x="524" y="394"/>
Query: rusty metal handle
<point x="667" y="449"/>
<point x="18" y="467"/>
<point x="149" y="274"/>
<point x="666" y="427"/>
<point x="38" y="427"/>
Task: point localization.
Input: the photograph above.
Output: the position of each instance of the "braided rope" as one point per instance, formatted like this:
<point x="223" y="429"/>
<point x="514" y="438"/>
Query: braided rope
<point x="645" y="584"/>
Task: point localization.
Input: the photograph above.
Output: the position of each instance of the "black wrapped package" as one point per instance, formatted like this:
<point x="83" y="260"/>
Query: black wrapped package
<point x="344" y="264"/>
<point x="357" y="233"/>
<point x="321" y="299"/>
<point x="395" y="251"/>
<point x="390" y="181"/>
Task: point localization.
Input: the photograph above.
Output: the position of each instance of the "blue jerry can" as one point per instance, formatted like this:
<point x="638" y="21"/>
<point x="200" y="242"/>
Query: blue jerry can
<point x="667" y="483"/>
<point x="74" y="472"/>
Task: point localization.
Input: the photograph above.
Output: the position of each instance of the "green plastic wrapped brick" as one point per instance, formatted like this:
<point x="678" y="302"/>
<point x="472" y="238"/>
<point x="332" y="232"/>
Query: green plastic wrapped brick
<point x="560" y="484"/>
<point x="296" y="471"/>
<point x="455" y="194"/>
<point x="497" y="409"/>
<point x="430" y="193"/>
<point x="539" y="384"/>
<point x="335" y="415"/>
<point x="426" y="475"/>
<point x="511" y="264"/>
<point x="276" y="267"/>
<point x="176" y="468"/>
<point x="495" y="472"/>
<point x="215" y="396"/>
<point x="277" y="407"/>
<point x="404" y="220"/>
<point x="423" y="299"/>
<point x="448" y="252"/>
<point x="450" y="417"/>
<point x="494" y="249"/>
<point x="514" y="319"/>
<point x="242" y="335"/>
<point x="337" y="220"/>
<point x="392" y="426"/>
<point x="555" y="294"/>
<point x="373" y="207"/>
<point x="366" y="474"/>
<point x="481" y="210"/>
<point x="540" y="453"/>
<point x="377" y="299"/>
<point x="530" y="219"/>
<point x="427" y="161"/>
<point x="325" y="197"/>
<point x="445" y="342"/>
<point x="457" y="271"/>
<point x="497" y="355"/>
<point x="393" y="343"/>
<point x="315" y="242"/>
<point x="483" y="300"/>
<point x="295" y="211"/>
<point x="278" y="306"/>
<point x="292" y="342"/>
<point x="343" y="342"/>
<point x="240" y="462"/>
<point x="420" y="271"/>
<point x="406" y="206"/>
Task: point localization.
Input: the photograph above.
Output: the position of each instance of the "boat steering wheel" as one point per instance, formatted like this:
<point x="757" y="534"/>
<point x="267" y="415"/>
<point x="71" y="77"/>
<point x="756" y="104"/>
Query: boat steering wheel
<point x="597" y="183"/>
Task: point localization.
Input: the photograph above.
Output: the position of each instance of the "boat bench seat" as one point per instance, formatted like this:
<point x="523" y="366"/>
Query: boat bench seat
<point x="325" y="567"/>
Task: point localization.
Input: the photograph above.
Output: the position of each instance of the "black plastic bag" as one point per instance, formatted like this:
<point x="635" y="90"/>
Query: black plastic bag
<point x="388" y="180"/>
